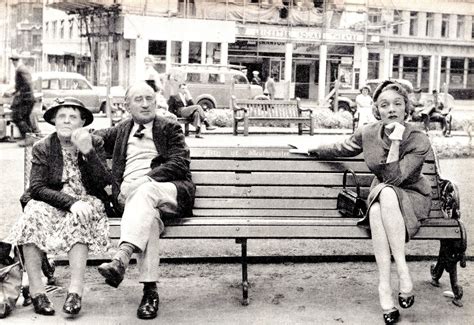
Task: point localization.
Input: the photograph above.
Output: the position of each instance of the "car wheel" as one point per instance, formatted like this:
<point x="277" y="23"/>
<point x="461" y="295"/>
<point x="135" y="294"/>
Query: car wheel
<point x="342" y="106"/>
<point x="206" y="104"/>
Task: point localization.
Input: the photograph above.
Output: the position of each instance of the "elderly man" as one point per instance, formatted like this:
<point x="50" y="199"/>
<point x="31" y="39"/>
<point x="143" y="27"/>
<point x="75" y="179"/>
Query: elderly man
<point x="152" y="178"/>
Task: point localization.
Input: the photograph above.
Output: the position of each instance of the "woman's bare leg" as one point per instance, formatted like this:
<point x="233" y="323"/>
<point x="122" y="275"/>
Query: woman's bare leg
<point x="382" y="256"/>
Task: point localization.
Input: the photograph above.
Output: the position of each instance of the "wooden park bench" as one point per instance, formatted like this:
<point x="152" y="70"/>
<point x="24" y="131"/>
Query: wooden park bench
<point x="260" y="110"/>
<point x="267" y="193"/>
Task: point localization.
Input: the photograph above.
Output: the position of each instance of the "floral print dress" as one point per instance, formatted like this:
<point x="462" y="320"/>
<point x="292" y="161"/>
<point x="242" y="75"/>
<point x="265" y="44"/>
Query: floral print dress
<point x="56" y="231"/>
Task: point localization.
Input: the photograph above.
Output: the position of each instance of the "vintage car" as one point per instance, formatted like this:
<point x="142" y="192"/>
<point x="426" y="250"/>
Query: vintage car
<point x="211" y="85"/>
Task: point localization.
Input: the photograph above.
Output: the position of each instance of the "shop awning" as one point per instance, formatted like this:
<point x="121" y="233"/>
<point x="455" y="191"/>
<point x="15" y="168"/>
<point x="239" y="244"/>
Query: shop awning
<point x="194" y="30"/>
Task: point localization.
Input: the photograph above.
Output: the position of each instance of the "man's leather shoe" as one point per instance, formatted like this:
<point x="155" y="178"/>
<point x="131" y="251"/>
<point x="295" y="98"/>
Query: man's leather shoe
<point x="199" y="136"/>
<point x="113" y="272"/>
<point x="42" y="305"/>
<point x="210" y="128"/>
<point x="5" y="310"/>
<point x="73" y="304"/>
<point x="148" y="308"/>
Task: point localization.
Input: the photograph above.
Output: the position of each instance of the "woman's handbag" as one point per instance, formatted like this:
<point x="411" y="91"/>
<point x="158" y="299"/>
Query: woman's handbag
<point x="10" y="279"/>
<point x="349" y="203"/>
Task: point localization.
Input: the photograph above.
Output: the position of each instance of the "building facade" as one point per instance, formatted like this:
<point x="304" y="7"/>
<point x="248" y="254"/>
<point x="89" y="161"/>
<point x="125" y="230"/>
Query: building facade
<point x="305" y="45"/>
<point x="20" y="33"/>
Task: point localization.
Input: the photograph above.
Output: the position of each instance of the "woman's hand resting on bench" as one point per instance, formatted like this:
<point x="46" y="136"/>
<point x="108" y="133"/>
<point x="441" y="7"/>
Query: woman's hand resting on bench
<point x="302" y="150"/>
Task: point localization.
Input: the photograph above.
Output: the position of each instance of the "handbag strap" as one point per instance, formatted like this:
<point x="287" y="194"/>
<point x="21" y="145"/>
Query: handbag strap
<point x="355" y="180"/>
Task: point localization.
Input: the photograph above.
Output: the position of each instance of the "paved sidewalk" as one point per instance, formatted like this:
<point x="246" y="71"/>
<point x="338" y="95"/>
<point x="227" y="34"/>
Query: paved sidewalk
<point x="320" y="293"/>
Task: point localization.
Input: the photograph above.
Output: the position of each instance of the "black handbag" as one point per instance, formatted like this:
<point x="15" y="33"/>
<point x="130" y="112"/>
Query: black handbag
<point x="349" y="203"/>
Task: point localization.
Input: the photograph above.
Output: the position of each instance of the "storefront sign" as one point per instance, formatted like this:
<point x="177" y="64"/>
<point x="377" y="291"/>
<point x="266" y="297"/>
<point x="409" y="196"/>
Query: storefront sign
<point x="299" y="33"/>
<point x="433" y="49"/>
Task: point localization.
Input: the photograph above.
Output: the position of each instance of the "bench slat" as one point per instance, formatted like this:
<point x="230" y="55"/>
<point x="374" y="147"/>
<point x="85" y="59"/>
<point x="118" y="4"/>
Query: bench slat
<point x="286" y="165"/>
<point x="282" y="178"/>
<point x="278" y="191"/>
<point x="295" y="232"/>
<point x="269" y="153"/>
<point x="257" y="203"/>
<point x="259" y="213"/>
<point x="271" y="191"/>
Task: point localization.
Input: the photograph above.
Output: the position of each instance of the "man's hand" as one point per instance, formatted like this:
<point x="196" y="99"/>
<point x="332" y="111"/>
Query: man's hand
<point x="298" y="150"/>
<point x="82" y="211"/>
<point x="82" y="139"/>
<point x="397" y="133"/>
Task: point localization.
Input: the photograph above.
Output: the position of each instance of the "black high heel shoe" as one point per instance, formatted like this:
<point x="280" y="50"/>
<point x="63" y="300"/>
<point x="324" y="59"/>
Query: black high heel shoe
<point x="406" y="300"/>
<point x="73" y="304"/>
<point x="392" y="316"/>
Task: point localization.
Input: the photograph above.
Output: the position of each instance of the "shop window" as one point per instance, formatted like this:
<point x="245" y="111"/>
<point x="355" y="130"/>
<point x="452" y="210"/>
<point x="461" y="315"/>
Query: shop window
<point x="397" y="21"/>
<point x="375" y="16"/>
<point x="425" y="73"/>
<point x="410" y="68"/>
<point x="460" y="27"/>
<point x="470" y="74"/>
<point x="395" y="65"/>
<point x="373" y="66"/>
<point x="54" y="29"/>
<point x="71" y="28"/>
<point x="429" y="24"/>
<point x="61" y="30"/>
<point x="445" y="26"/>
<point x="456" y="72"/>
<point x="472" y="28"/>
<point x="413" y="23"/>
<point x="194" y="52"/>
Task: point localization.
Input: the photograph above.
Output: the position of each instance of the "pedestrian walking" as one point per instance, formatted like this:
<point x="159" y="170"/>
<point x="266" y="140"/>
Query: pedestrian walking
<point x="23" y="101"/>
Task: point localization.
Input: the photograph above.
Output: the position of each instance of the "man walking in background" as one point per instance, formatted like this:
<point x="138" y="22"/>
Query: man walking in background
<point x="24" y="100"/>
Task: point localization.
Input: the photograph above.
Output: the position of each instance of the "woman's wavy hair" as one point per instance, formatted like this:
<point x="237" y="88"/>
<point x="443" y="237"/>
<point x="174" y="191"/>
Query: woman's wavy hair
<point x="390" y="85"/>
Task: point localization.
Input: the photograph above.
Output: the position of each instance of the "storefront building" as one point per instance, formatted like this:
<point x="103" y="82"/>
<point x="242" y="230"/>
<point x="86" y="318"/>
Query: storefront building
<point x="305" y="45"/>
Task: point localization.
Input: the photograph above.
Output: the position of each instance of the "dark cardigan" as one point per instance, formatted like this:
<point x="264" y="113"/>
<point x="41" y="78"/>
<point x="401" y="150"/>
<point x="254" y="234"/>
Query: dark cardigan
<point x="47" y="170"/>
<point x="170" y="165"/>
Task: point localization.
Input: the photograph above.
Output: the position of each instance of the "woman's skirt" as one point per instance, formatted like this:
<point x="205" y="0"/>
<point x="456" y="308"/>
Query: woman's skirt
<point x="56" y="231"/>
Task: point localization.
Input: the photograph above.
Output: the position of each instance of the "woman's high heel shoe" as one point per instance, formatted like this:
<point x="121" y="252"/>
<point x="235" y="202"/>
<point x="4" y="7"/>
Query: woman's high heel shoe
<point x="72" y="305"/>
<point x="392" y="316"/>
<point x="406" y="300"/>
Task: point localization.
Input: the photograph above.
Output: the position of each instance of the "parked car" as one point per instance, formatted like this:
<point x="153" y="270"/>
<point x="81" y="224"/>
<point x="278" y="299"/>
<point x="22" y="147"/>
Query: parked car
<point x="51" y="85"/>
<point x="347" y="96"/>
<point x="212" y="85"/>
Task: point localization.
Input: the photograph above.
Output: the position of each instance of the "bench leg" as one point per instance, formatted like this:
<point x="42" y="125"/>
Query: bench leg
<point x="186" y="129"/>
<point x="245" y="282"/>
<point x="450" y="253"/>
<point x="246" y="126"/>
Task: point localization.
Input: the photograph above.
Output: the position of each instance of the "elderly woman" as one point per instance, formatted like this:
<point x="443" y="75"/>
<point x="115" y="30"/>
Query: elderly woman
<point x="64" y="213"/>
<point x="399" y="195"/>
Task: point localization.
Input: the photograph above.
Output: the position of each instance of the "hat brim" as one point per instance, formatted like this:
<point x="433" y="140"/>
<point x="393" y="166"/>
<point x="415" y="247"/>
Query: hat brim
<point x="51" y="113"/>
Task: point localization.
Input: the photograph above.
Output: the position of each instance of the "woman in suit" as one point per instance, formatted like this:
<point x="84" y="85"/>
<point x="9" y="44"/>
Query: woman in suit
<point x="399" y="195"/>
<point x="64" y="213"/>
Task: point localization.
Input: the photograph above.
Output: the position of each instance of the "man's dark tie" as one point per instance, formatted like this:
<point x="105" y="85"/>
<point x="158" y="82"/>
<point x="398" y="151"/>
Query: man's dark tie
<point x="139" y="134"/>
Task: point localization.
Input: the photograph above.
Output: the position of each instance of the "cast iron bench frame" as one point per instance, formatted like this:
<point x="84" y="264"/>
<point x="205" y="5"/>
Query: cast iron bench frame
<point x="267" y="193"/>
<point x="262" y="110"/>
